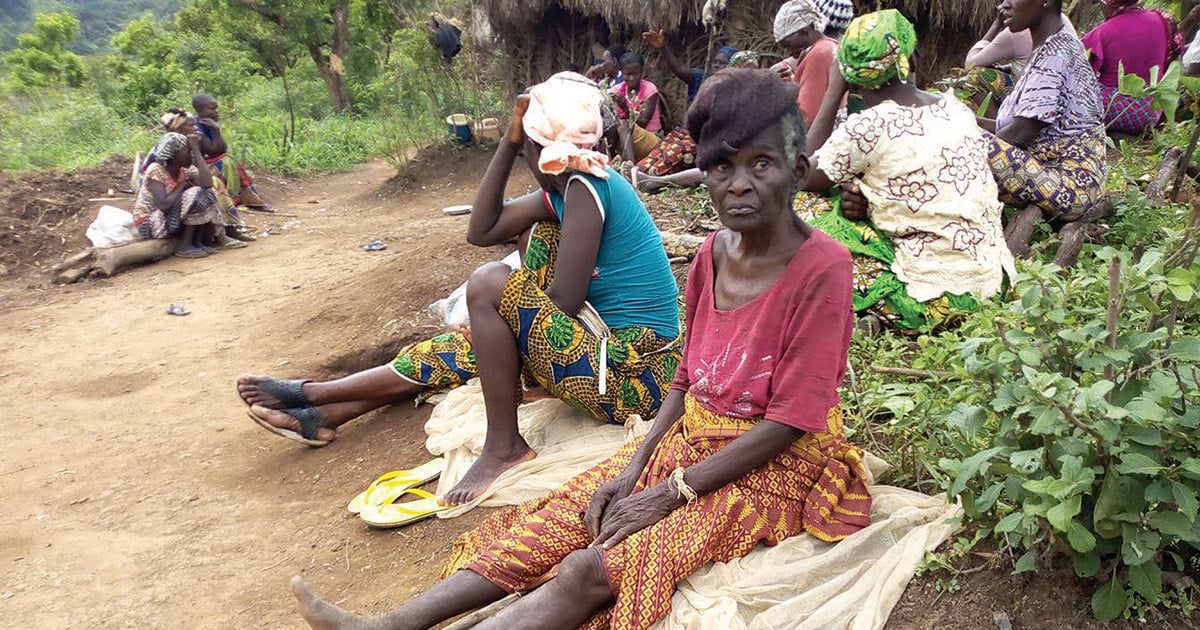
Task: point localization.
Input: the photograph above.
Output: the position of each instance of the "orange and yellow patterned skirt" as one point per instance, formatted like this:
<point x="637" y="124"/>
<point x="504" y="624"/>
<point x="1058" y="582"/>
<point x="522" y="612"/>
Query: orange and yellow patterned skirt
<point x="817" y="486"/>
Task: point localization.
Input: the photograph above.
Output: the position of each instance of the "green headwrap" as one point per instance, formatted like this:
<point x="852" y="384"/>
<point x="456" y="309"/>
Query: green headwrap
<point x="876" y="48"/>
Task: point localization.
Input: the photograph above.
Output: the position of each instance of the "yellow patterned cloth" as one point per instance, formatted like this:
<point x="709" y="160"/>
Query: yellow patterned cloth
<point x="557" y="351"/>
<point x="817" y="486"/>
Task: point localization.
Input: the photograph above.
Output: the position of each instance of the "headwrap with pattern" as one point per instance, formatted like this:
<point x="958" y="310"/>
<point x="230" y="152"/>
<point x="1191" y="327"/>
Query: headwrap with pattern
<point x="839" y="12"/>
<point x="564" y="118"/>
<point x="170" y="146"/>
<point x="797" y="15"/>
<point x="876" y="49"/>
<point x="744" y="59"/>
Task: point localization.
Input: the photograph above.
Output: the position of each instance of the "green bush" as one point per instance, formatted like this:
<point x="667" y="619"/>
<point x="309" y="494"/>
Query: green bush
<point x="66" y="130"/>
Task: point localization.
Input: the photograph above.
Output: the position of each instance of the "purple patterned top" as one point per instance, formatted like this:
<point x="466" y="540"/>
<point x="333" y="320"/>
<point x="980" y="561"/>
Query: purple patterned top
<point x="1058" y="88"/>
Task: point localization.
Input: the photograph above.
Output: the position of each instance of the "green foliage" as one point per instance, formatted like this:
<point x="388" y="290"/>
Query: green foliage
<point x="65" y="129"/>
<point x="1163" y="90"/>
<point x="41" y="58"/>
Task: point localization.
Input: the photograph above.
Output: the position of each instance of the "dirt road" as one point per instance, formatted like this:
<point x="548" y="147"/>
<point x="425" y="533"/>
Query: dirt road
<point x="137" y="494"/>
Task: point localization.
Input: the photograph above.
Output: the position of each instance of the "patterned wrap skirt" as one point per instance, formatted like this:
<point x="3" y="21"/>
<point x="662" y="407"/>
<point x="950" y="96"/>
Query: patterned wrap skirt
<point x="557" y="351"/>
<point x="1062" y="176"/>
<point x="877" y="290"/>
<point x="972" y="86"/>
<point x="195" y="206"/>
<point x="817" y="486"/>
<point x="1128" y="115"/>
<point x="676" y="152"/>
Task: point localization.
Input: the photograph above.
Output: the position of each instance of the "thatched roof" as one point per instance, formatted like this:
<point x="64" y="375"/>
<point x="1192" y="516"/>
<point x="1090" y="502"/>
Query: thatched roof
<point x="669" y="14"/>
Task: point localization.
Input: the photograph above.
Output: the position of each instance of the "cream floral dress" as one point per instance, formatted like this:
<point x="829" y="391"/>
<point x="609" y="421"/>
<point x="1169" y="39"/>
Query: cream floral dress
<point x="925" y="174"/>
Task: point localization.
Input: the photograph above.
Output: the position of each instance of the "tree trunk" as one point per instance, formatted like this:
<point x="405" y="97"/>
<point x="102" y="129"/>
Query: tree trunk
<point x="330" y="65"/>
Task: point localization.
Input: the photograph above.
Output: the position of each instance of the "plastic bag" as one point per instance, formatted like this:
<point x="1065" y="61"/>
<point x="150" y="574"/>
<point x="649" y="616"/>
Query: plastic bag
<point x="113" y="226"/>
<point x="452" y="309"/>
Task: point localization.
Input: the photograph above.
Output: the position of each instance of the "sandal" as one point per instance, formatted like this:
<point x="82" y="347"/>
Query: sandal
<point x="191" y="253"/>
<point x="391" y="486"/>
<point x="310" y="421"/>
<point x="233" y="243"/>
<point x="395" y="515"/>
<point x="289" y="392"/>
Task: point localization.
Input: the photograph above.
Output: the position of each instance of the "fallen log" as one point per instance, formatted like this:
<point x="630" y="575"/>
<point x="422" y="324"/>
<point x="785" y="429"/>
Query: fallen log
<point x="1171" y="164"/>
<point x="105" y="262"/>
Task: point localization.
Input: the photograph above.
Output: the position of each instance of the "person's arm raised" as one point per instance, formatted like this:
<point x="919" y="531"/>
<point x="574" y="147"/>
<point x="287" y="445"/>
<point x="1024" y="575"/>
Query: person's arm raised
<point x="494" y="220"/>
<point x="657" y="41"/>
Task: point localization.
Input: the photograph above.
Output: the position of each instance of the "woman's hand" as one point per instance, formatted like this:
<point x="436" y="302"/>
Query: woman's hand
<point x="516" y="129"/>
<point x="605" y="497"/>
<point x="654" y="39"/>
<point x="635" y="513"/>
<point x="854" y="203"/>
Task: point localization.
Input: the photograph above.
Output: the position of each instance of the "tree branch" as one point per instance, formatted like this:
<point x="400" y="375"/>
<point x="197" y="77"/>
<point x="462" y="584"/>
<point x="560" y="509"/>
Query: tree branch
<point x="266" y="13"/>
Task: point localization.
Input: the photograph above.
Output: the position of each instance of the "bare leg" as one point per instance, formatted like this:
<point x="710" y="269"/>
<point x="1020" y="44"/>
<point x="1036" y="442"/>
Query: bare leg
<point x="376" y="383"/>
<point x="499" y="363"/>
<point x="335" y="414"/>
<point x="1019" y="232"/>
<point x="462" y="592"/>
<point x="187" y="242"/>
<point x="579" y="590"/>
<point x="690" y="178"/>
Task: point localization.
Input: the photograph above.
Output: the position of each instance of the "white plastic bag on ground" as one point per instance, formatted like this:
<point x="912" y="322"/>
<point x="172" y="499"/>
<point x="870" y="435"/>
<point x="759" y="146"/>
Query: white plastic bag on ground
<point x="113" y="226"/>
<point x="452" y="309"/>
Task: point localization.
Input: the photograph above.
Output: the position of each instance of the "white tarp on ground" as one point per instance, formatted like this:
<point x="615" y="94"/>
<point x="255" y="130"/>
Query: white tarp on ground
<point x="802" y="583"/>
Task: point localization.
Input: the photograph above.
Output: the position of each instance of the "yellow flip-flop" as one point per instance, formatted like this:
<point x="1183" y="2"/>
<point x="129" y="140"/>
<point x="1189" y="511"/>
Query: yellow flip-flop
<point x="390" y="486"/>
<point x="394" y="515"/>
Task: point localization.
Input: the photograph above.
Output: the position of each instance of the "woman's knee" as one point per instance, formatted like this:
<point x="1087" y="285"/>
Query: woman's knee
<point x="486" y="284"/>
<point x="582" y="571"/>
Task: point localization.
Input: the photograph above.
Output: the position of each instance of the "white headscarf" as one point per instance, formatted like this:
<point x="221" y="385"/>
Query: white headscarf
<point x="797" y="15"/>
<point x="564" y="118"/>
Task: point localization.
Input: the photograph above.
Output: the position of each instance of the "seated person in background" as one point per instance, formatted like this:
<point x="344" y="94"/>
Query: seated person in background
<point x="608" y="72"/>
<point x="692" y="77"/>
<point x="639" y="101"/>
<point x="237" y="181"/>
<point x="1046" y="145"/>
<point x="931" y="243"/>
<point x="839" y="14"/>
<point x="176" y="199"/>
<point x="598" y="246"/>
<point x="1137" y="40"/>
<point x="799" y="29"/>
<point x="1191" y="56"/>
<point x="993" y="64"/>
<point x="743" y="452"/>
<point x="677" y="152"/>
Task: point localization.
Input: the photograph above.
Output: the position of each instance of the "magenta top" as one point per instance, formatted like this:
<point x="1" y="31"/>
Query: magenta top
<point x="780" y="356"/>
<point x="1135" y="37"/>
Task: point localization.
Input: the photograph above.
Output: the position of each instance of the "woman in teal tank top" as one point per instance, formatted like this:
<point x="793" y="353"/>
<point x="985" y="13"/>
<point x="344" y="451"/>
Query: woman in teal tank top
<point x="591" y="316"/>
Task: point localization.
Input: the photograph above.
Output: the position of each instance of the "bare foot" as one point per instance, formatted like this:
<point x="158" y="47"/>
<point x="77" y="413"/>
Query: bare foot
<point x="322" y="615"/>
<point x="651" y="185"/>
<point x="483" y="472"/>
<point x="248" y="388"/>
<point x="282" y="420"/>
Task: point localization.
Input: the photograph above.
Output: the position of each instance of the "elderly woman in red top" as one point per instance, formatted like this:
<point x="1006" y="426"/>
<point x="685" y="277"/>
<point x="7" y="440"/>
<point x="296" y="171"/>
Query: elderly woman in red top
<point x="748" y="447"/>
<point x="1136" y="39"/>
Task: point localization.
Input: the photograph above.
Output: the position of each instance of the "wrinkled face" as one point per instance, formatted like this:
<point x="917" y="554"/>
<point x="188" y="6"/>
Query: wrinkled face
<point x="801" y="40"/>
<point x="720" y="62"/>
<point x="753" y="186"/>
<point x="611" y="65"/>
<point x="633" y="75"/>
<point x="1019" y="15"/>
<point x="209" y="109"/>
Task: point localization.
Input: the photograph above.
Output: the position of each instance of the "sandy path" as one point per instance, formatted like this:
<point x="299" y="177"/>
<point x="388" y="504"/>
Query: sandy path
<point x="137" y="493"/>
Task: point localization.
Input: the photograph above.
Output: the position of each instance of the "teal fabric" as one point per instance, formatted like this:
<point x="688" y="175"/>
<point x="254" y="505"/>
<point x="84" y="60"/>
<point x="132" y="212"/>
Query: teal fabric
<point x="632" y="284"/>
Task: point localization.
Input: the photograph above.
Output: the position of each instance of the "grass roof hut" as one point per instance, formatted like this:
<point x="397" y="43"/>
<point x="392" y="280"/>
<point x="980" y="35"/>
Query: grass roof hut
<point x="541" y="37"/>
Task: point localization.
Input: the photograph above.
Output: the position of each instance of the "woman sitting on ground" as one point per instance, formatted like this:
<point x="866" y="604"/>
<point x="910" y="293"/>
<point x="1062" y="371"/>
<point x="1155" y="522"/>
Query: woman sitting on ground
<point x="672" y="162"/>
<point x="233" y="175"/>
<point x="640" y="104"/>
<point x="176" y="198"/>
<point x="1134" y="39"/>
<point x="527" y="322"/>
<point x="931" y="243"/>
<point x="1046" y="145"/>
<point x="993" y="65"/>
<point x="749" y="446"/>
